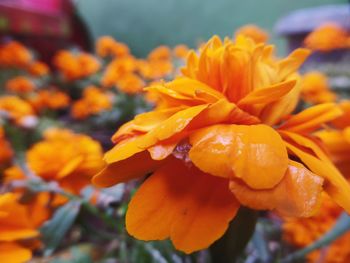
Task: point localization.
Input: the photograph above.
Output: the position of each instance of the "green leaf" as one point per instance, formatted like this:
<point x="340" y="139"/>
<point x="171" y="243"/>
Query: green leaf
<point x="54" y="230"/>
<point x="341" y="226"/>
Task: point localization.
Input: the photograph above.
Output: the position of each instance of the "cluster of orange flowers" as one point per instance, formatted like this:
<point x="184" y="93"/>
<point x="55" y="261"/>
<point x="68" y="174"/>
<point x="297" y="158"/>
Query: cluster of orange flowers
<point x="64" y="157"/>
<point x="328" y="37"/>
<point x="303" y="232"/>
<point x="61" y="156"/>
<point x="15" y="55"/>
<point x="94" y="101"/>
<point x="19" y="226"/>
<point x="129" y="74"/>
<point x="76" y="66"/>
<point x="223" y="134"/>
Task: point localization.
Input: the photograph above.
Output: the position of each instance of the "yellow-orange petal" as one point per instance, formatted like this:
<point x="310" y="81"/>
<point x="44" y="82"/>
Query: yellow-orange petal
<point x="217" y="112"/>
<point x="298" y="194"/>
<point x="277" y="110"/>
<point x="307" y="142"/>
<point x="335" y="184"/>
<point x="143" y="123"/>
<point x="127" y="148"/>
<point x="190" y="207"/>
<point x="291" y="63"/>
<point x="172" y="126"/>
<point x="256" y="153"/>
<point x="312" y="118"/>
<point x="162" y="149"/>
<point x="268" y="94"/>
<point x="12" y="233"/>
<point x="10" y="252"/>
<point x="70" y="166"/>
<point x="173" y="96"/>
<point x="337" y="145"/>
<point x="194" y="89"/>
<point x="136" y="166"/>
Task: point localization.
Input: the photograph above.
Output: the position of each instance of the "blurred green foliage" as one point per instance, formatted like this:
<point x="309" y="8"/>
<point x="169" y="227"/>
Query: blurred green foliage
<point x="145" y="24"/>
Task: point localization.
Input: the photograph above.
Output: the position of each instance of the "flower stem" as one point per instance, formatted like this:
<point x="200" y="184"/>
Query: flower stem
<point x="231" y="245"/>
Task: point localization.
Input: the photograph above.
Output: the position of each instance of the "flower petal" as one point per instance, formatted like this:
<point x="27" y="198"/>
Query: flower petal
<point x="277" y="110"/>
<point x="335" y="184"/>
<point x="126" y="149"/>
<point x="143" y="123"/>
<point x="267" y="95"/>
<point x="13" y="233"/>
<point x="136" y="166"/>
<point x="11" y="252"/>
<point x="312" y="118"/>
<point x="298" y="194"/>
<point x="162" y="149"/>
<point x="194" y="89"/>
<point x="307" y="142"/>
<point x="291" y="63"/>
<point x="254" y="153"/>
<point x="173" y="125"/>
<point x="180" y="202"/>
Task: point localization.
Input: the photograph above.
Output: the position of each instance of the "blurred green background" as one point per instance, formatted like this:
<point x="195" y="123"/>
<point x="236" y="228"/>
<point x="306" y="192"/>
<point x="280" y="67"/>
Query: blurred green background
<point x="145" y="24"/>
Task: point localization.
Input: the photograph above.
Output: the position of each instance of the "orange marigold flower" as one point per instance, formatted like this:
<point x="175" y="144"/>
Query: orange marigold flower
<point x="154" y="69"/>
<point x="20" y="84"/>
<point x="14" y="54"/>
<point x="17" y="109"/>
<point x="315" y="88"/>
<point x="160" y="53"/>
<point x="131" y="84"/>
<point x="158" y="64"/>
<point x="49" y="99"/>
<point x="223" y="136"/>
<point x="70" y="159"/>
<point x="181" y="51"/>
<point x="76" y="66"/>
<point x="302" y="232"/>
<point x="18" y="222"/>
<point x="108" y="46"/>
<point x="254" y="32"/>
<point x="117" y="69"/>
<point x="38" y="68"/>
<point x="327" y="37"/>
<point x="94" y="101"/>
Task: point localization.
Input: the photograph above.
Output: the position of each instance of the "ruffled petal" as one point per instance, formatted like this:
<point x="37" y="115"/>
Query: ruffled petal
<point x="335" y="184"/>
<point x="180" y="202"/>
<point x="274" y="112"/>
<point x="127" y="148"/>
<point x="308" y="143"/>
<point x="136" y="166"/>
<point x="267" y="95"/>
<point x="173" y="125"/>
<point x="290" y="64"/>
<point x="162" y="149"/>
<point x="143" y="123"/>
<point x="312" y="118"/>
<point x="298" y="194"/>
<point x="194" y="89"/>
<point x="256" y="153"/>
<point x="337" y="144"/>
